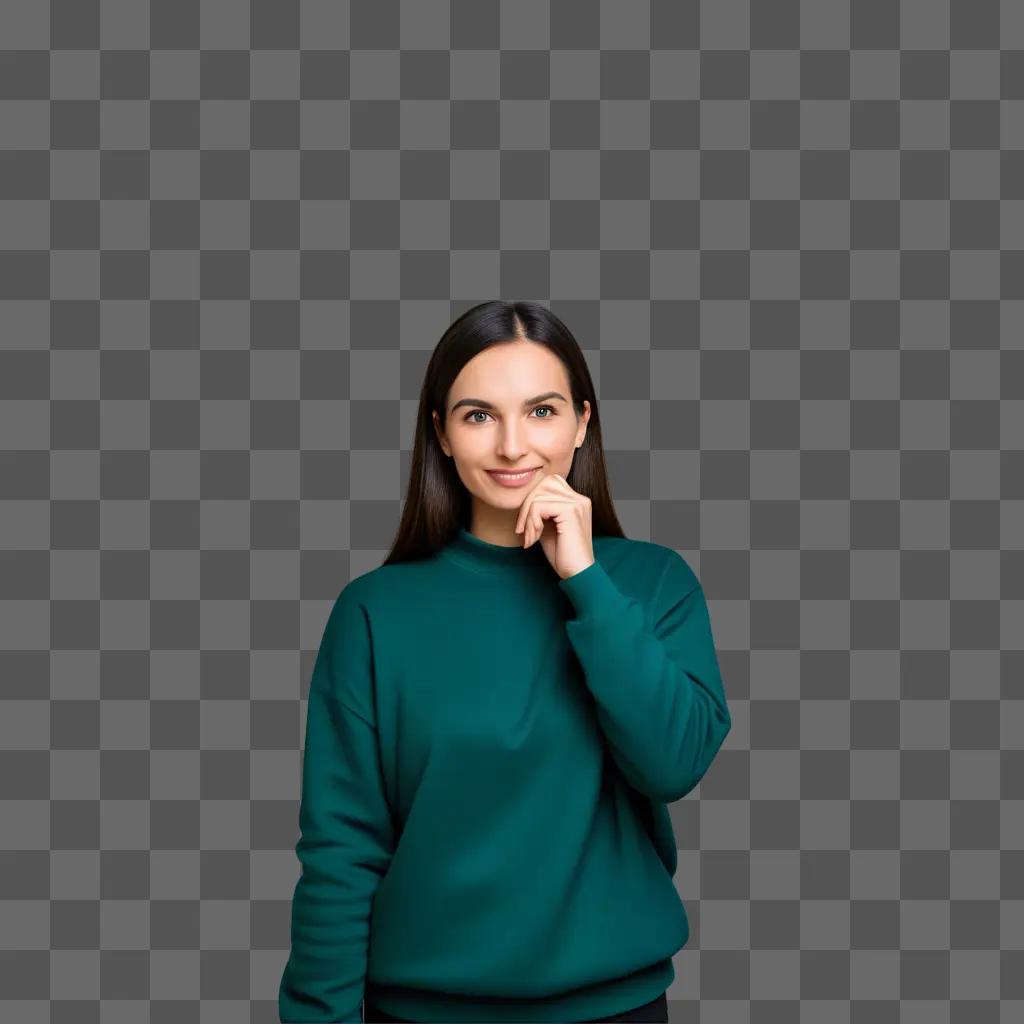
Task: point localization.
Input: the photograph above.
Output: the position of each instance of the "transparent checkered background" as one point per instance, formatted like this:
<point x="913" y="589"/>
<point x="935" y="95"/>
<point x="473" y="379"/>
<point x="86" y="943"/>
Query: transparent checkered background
<point x="790" y="238"/>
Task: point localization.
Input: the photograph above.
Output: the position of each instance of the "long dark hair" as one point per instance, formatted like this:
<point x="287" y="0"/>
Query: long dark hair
<point x="437" y="501"/>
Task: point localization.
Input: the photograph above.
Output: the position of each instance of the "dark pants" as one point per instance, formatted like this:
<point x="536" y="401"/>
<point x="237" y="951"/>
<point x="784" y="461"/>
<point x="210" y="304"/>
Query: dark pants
<point x="654" y="1012"/>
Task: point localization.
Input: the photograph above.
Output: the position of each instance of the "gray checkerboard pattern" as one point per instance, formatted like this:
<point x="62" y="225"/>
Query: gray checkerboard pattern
<point x="790" y="237"/>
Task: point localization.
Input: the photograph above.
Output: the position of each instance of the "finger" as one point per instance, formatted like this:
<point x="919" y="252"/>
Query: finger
<point x="533" y="524"/>
<point x="533" y="511"/>
<point x="552" y="503"/>
<point x="524" y="509"/>
<point x="524" y="512"/>
<point x="570" y="490"/>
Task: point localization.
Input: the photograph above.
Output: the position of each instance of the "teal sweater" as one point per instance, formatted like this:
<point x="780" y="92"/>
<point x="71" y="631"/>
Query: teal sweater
<point x="489" y="752"/>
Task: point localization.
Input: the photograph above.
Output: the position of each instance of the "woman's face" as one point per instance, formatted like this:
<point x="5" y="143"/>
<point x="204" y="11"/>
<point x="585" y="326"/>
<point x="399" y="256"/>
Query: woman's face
<point x="495" y="421"/>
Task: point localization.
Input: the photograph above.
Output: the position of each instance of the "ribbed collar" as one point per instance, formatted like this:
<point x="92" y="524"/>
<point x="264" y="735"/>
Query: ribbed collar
<point x="482" y="556"/>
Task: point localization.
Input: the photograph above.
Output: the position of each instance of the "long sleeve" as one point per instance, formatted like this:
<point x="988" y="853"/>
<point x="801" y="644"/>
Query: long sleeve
<point x="346" y="836"/>
<point x="658" y="690"/>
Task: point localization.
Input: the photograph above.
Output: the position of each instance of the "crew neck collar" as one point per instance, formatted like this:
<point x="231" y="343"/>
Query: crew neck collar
<point x="483" y="556"/>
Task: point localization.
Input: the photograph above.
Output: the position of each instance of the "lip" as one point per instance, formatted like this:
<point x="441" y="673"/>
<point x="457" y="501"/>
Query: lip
<point x="493" y="474"/>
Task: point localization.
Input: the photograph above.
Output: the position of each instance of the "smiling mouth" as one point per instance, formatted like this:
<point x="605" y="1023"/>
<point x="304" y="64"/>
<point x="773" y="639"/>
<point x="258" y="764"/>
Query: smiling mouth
<point x="504" y="474"/>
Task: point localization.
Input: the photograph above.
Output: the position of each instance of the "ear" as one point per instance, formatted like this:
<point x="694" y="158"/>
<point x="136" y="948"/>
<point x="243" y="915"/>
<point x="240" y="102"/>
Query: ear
<point x="584" y="420"/>
<point x="435" y="419"/>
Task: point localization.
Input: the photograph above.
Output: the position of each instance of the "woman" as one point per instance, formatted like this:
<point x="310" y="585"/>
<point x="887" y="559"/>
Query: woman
<point x="498" y="716"/>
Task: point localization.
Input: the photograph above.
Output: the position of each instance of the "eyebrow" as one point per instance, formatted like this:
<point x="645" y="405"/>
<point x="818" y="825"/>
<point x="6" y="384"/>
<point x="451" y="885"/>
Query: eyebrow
<point x="488" y="405"/>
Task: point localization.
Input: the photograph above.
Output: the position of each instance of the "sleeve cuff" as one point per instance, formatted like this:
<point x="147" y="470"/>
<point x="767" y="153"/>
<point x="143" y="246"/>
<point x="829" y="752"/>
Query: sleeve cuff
<point x="592" y="592"/>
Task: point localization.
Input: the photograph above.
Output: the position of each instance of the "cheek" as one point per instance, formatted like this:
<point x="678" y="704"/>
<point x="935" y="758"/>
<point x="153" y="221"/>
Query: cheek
<point x="566" y="440"/>
<point x="466" y="442"/>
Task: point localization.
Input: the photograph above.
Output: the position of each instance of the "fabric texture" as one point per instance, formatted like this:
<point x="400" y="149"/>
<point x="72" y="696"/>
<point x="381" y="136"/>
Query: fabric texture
<point x="489" y="755"/>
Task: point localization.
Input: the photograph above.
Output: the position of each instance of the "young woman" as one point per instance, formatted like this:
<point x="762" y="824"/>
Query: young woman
<point x="498" y="716"/>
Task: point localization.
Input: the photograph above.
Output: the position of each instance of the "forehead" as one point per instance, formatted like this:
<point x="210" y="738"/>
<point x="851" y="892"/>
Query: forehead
<point x="510" y="373"/>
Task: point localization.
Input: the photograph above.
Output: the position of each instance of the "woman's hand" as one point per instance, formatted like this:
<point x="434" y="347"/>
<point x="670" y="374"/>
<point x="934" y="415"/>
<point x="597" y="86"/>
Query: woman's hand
<point x="569" y="546"/>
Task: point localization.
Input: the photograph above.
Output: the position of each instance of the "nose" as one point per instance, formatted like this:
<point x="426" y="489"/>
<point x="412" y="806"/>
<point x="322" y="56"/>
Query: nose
<point x="509" y="444"/>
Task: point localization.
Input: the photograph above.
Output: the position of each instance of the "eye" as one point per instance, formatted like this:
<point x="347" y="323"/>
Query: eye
<point x="480" y="412"/>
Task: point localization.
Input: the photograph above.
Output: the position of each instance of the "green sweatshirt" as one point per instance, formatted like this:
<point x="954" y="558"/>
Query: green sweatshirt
<point x="489" y="752"/>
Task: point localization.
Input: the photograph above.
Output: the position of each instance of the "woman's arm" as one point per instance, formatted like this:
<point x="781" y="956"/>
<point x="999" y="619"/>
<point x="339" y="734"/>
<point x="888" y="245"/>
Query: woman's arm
<point x="659" y="693"/>
<point x="346" y="830"/>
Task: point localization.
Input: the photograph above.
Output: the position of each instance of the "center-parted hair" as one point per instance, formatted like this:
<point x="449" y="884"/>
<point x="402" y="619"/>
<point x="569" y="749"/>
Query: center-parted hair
<point x="437" y="502"/>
